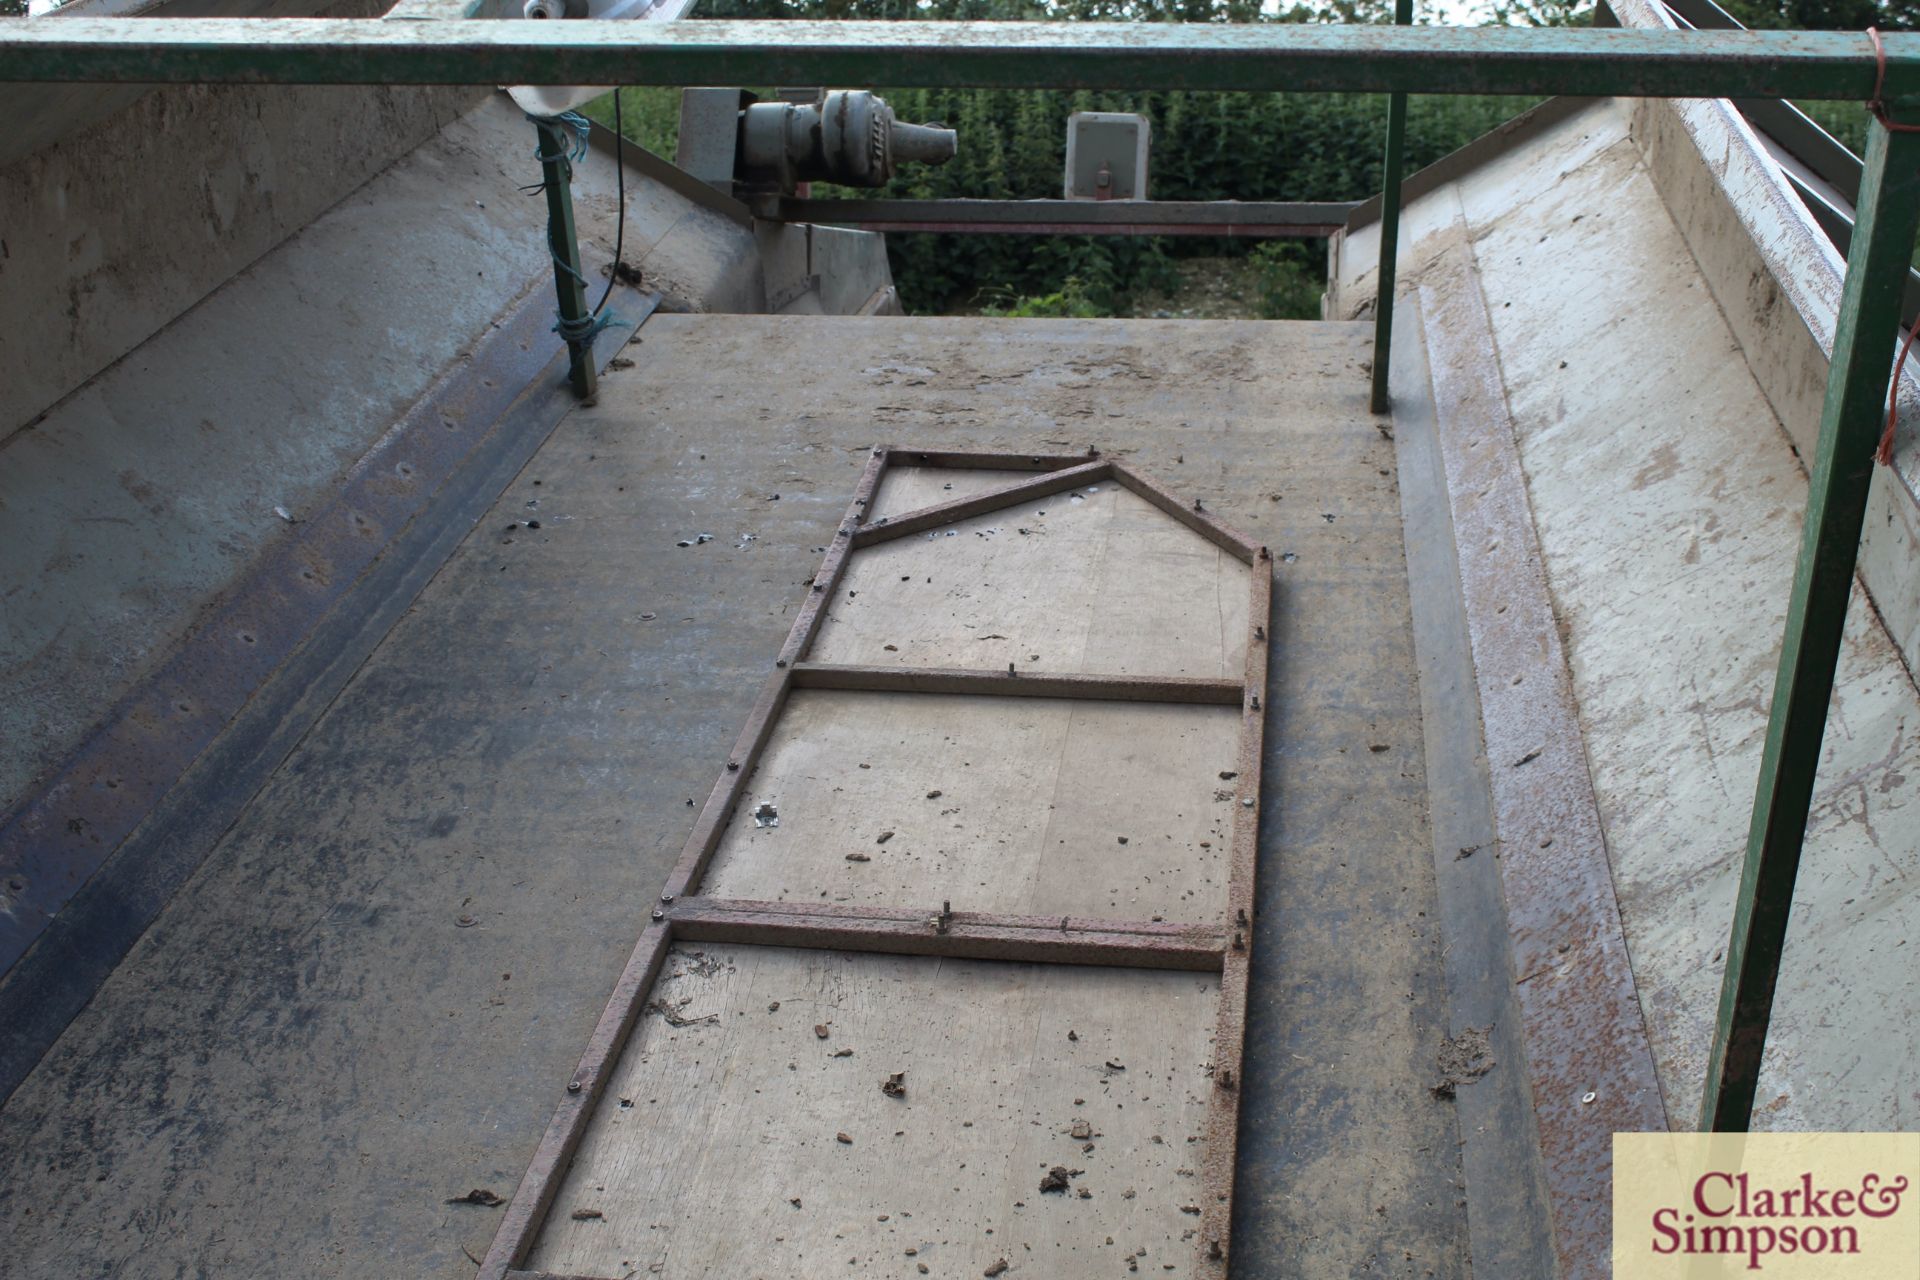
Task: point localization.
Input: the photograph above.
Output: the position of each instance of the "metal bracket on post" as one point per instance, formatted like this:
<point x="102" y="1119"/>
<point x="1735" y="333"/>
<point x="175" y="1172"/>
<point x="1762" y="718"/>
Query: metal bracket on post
<point x="576" y="325"/>
<point x="1843" y="463"/>
<point x="1389" y="255"/>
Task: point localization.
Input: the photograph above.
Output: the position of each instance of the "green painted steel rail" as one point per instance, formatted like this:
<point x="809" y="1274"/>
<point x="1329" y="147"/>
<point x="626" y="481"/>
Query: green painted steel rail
<point x="1389" y="254"/>
<point x="1396" y="60"/>
<point x="1279" y="57"/>
<point x="1843" y="465"/>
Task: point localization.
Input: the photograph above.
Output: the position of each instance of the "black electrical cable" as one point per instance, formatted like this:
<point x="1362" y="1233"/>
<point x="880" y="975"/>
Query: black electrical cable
<point x="620" y="180"/>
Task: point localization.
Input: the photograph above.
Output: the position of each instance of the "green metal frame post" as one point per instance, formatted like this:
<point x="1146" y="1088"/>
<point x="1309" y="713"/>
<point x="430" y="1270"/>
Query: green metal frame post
<point x="1389" y="229"/>
<point x="1850" y="424"/>
<point x="569" y="280"/>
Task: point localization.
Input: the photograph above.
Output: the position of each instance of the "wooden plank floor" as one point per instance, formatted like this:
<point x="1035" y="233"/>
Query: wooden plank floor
<point x="318" y="1045"/>
<point x="719" y="1150"/>
<point x="1096" y="580"/>
<point x="1013" y="805"/>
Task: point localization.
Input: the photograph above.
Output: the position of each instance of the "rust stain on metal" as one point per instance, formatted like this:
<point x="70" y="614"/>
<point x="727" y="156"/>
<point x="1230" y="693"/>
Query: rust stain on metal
<point x="1117" y="688"/>
<point x="1041" y="486"/>
<point x="1223" y="1107"/>
<point x="57" y="838"/>
<point x="965" y="935"/>
<point x="1584" y="1027"/>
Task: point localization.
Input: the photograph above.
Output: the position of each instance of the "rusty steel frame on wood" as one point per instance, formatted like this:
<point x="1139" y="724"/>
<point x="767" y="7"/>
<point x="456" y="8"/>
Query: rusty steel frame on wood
<point x="936" y="930"/>
<point x="1045" y="485"/>
<point x="1187" y="689"/>
<point x="957" y="935"/>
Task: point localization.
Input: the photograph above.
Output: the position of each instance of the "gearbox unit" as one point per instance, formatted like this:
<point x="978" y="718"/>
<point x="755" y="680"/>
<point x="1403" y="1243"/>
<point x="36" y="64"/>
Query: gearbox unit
<point x="846" y="136"/>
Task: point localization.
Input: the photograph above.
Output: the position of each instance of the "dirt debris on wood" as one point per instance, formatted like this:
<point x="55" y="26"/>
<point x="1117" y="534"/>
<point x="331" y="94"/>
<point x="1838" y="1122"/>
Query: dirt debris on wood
<point x="1462" y="1060"/>
<point x="480" y="1196"/>
<point x="1056" y="1180"/>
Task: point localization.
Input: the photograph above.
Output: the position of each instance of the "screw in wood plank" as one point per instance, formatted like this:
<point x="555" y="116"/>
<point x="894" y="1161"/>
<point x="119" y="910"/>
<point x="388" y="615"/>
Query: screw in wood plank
<point x="1010" y="670"/>
<point x="1259" y="633"/>
<point x="1092" y="452"/>
<point x="1239" y="941"/>
<point x="658" y="914"/>
<point x="1265" y="554"/>
<point x="1197" y="506"/>
<point x="1256" y="702"/>
<point x="666" y="897"/>
<point x="1224" y="1078"/>
<point x="573" y="1086"/>
<point x="779" y="662"/>
<point x="944" y="919"/>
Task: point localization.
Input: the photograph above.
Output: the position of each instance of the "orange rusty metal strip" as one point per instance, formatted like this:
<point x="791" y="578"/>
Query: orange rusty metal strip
<point x="834" y="567"/>
<point x="1223" y="1108"/>
<point x="1041" y="486"/>
<point x="937" y="931"/>
<point x="957" y="461"/>
<point x="1051" y="684"/>
<point x="1194" y="516"/>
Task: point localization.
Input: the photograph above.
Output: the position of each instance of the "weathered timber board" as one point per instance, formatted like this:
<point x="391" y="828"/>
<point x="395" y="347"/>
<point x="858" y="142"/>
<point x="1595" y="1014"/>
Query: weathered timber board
<point x="1095" y="579"/>
<point x="1107" y="809"/>
<point x="714" y="1151"/>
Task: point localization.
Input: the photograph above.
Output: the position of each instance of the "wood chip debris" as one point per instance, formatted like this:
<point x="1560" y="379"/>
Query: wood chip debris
<point x="587" y="1215"/>
<point x="820" y="1029"/>
<point x="895" y="1085"/>
<point x="843" y="1139"/>
<point x="998" y="1268"/>
<point x="480" y="1196"/>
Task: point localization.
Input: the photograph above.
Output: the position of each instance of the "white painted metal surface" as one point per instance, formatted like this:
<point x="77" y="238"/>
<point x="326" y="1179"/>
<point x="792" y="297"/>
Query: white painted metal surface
<point x="1667" y="497"/>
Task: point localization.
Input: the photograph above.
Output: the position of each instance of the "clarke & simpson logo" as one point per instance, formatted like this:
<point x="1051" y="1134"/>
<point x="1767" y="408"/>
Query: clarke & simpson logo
<point x="1782" y="1205"/>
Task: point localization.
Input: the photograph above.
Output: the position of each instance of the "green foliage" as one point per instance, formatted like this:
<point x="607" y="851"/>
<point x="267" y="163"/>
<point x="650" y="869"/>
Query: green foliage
<point x="1071" y="302"/>
<point x="649" y="114"/>
<point x="1289" y="279"/>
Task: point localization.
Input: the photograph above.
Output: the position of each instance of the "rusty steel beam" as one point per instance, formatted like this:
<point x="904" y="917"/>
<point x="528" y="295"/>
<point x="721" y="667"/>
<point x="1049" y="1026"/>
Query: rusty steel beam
<point x="957" y="461"/>
<point x="1037" y="684"/>
<point x="1045" y="485"/>
<point x="1193" y="515"/>
<point x="1223" y="1106"/>
<point x="936" y="930"/>
<point x="1218" y="231"/>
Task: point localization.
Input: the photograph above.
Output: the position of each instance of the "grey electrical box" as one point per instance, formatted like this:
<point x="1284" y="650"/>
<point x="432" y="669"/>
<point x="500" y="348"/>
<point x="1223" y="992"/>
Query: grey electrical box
<point x="1106" y="156"/>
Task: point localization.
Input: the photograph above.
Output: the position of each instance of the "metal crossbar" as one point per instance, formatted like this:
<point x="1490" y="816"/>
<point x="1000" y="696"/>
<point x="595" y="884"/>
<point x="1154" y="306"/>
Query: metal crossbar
<point x="1277" y="57"/>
